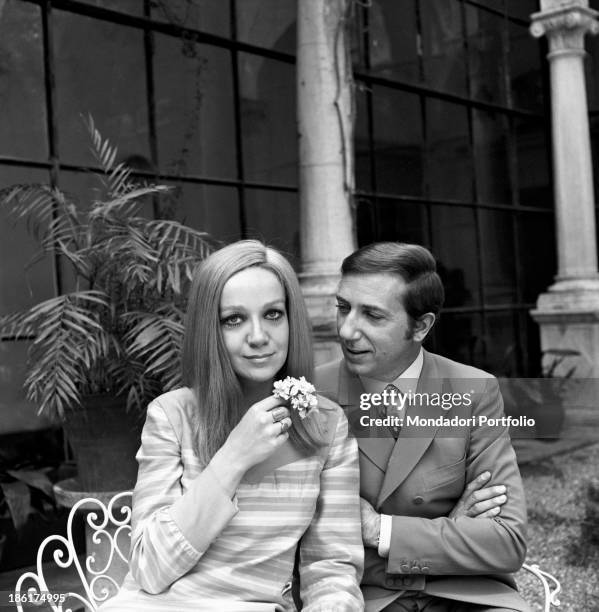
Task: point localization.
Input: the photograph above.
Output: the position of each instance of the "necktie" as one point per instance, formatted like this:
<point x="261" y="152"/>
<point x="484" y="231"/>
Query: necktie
<point x="391" y="407"/>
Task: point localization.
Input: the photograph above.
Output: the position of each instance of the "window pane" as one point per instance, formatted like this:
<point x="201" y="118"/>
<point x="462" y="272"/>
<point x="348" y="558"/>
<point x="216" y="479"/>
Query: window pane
<point x="134" y="7"/>
<point x="21" y="286"/>
<point x="449" y="160"/>
<point x="491" y="161"/>
<point x="533" y="158"/>
<point x="194" y="109"/>
<point x="522" y="9"/>
<point x="497" y="254"/>
<point x="460" y="337"/>
<point x="268" y="120"/>
<point x="267" y="23"/>
<point x="496" y="5"/>
<point x="532" y="365"/>
<point x="388" y="219"/>
<point x="392" y="55"/>
<point x="273" y="216"/>
<point x="592" y="71"/>
<point x="499" y="343"/>
<point x="486" y="55"/>
<point x="397" y="141"/>
<point x="536" y="235"/>
<point x="22" y="94"/>
<point x="363" y="171"/>
<point x="367" y="228"/>
<point x="207" y="208"/>
<point x="99" y="70"/>
<point x="454" y="246"/>
<point x="526" y="78"/>
<point x="443" y="45"/>
<point x="16" y="414"/>
<point x="205" y="15"/>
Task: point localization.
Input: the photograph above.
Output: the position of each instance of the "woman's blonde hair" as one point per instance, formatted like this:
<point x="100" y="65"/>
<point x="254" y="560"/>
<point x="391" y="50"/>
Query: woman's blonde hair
<point x="207" y="367"/>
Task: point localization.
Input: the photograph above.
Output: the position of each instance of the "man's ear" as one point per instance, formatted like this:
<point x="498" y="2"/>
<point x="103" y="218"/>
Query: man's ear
<point x="422" y="326"/>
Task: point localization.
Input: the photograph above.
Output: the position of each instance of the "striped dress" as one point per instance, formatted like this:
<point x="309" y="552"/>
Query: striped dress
<point x="244" y="548"/>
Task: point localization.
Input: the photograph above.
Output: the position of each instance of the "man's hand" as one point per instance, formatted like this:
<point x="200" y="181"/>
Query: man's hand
<point x="479" y="501"/>
<point x="371" y="524"/>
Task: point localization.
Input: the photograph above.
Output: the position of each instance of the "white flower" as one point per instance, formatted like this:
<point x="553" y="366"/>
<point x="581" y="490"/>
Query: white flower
<point x="299" y="392"/>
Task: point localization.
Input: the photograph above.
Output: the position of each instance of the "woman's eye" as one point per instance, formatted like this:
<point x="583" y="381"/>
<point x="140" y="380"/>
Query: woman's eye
<point x="342" y="307"/>
<point x="374" y="316"/>
<point x="274" y="315"/>
<point x="232" y="320"/>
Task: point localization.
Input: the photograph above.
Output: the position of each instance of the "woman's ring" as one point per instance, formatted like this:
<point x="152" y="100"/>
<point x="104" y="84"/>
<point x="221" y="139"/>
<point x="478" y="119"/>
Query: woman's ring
<point x="284" y="426"/>
<point x="278" y="414"/>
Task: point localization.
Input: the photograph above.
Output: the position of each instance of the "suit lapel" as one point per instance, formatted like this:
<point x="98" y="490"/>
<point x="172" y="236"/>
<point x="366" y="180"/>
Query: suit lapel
<point x="374" y="442"/>
<point x="413" y="441"/>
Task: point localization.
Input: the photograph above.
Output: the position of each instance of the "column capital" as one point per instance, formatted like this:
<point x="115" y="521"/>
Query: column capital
<point x="565" y="23"/>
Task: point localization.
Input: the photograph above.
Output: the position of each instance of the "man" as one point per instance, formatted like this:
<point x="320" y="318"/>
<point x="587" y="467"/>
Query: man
<point x="424" y="551"/>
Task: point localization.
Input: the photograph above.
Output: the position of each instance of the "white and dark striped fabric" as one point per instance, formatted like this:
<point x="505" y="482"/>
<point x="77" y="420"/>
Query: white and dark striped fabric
<point x="244" y="547"/>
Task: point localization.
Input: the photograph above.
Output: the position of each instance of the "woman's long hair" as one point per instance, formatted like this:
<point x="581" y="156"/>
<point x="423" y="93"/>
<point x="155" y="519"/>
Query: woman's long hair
<point x="207" y="367"/>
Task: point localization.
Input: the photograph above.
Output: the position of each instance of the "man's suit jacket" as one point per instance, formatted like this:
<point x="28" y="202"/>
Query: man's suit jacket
<point x="419" y="478"/>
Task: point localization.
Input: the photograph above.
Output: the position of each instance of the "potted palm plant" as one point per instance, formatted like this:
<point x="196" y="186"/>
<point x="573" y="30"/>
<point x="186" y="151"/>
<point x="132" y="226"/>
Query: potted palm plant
<point x="100" y="352"/>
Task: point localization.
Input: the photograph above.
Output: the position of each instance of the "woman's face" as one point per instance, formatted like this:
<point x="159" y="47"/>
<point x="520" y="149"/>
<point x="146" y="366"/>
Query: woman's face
<point x="254" y="324"/>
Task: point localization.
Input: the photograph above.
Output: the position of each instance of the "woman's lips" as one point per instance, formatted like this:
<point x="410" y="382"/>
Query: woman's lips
<point x="259" y="358"/>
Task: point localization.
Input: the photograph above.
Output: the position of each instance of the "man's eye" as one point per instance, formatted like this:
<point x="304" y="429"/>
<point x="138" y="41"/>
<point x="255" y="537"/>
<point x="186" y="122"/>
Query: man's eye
<point x="274" y="314"/>
<point x="232" y="320"/>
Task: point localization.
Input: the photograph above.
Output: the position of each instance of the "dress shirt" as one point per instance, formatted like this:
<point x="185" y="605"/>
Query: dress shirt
<point x="372" y="386"/>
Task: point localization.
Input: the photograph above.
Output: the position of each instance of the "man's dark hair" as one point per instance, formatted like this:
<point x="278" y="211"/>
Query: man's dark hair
<point x="412" y="262"/>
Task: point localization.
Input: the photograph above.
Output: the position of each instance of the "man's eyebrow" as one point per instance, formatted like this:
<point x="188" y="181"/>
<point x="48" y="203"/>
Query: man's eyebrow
<point x="374" y="307"/>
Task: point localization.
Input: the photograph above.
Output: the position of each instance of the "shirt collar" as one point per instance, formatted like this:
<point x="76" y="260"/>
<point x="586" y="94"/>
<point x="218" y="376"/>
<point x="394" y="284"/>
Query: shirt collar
<point x="413" y="371"/>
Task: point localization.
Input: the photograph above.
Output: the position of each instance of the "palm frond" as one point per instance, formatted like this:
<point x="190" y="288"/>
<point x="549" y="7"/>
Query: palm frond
<point x="156" y="339"/>
<point x="131" y="382"/>
<point x="179" y="249"/>
<point x="124" y="333"/>
<point x="47" y="212"/>
<point x="119" y="180"/>
<point x="116" y="179"/>
<point x="125" y="204"/>
<point x="69" y="340"/>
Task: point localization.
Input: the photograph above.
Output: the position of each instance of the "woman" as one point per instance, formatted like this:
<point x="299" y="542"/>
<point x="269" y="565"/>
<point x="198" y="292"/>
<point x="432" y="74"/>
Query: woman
<point x="230" y="479"/>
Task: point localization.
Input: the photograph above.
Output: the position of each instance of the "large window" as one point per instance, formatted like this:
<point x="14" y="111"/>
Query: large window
<point x="197" y="94"/>
<point x="451" y="137"/>
<point x="452" y="152"/>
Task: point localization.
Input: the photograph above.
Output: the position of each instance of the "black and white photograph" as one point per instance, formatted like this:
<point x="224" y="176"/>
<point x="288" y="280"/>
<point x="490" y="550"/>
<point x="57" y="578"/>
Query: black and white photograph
<point x="299" y="305"/>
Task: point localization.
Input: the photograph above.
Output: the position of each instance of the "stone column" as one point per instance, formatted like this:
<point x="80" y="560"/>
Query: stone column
<point x="568" y="313"/>
<point x="324" y="110"/>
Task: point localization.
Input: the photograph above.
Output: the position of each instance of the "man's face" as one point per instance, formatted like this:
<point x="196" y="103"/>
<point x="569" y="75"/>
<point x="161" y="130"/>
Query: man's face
<point x="373" y="326"/>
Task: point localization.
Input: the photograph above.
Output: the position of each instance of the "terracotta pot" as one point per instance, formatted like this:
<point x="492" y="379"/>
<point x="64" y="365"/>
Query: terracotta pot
<point x="104" y="437"/>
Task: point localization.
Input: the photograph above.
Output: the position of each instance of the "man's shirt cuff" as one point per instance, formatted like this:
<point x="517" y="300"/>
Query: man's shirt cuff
<point x="385" y="535"/>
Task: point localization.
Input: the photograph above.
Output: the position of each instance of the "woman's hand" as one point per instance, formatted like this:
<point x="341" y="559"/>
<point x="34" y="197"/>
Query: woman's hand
<point x="260" y="432"/>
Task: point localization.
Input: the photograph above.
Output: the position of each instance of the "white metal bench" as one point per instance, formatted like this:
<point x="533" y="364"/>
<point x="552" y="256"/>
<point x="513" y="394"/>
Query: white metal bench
<point x="108" y="538"/>
<point x="108" y="527"/>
